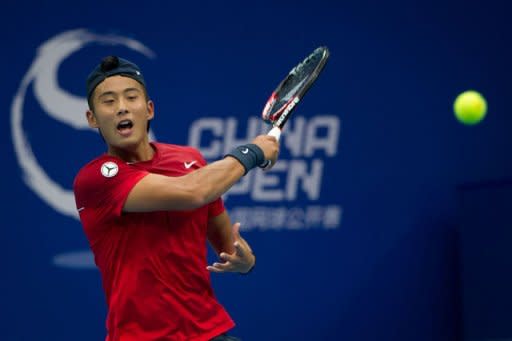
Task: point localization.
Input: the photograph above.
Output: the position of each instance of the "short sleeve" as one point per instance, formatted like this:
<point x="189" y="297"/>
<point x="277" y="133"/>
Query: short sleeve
<point x="101" y="189"/>
<point x="216" y="207"/>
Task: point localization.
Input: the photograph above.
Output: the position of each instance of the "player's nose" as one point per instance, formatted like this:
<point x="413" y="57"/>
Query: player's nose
<point x="123" y="109"/>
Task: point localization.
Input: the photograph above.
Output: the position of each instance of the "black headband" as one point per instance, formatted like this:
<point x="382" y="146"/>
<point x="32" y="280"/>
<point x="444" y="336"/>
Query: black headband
<point x="111" y="66"/>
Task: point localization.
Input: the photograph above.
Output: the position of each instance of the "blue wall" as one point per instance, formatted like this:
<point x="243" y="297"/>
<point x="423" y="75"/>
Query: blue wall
<point x="485" y="238"/>
<point x="368" y="250"/>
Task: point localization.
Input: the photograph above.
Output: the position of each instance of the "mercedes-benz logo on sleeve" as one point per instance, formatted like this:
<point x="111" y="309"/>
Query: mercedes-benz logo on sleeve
<point x="109" y="169"/>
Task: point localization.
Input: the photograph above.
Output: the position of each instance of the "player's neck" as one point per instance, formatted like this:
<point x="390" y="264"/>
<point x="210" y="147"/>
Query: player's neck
<point x="141" y="152"/>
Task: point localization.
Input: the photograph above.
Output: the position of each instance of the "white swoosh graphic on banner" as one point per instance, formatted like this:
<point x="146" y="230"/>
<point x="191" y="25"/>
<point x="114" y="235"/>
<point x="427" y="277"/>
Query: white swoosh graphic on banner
<point x="61" y="106"/>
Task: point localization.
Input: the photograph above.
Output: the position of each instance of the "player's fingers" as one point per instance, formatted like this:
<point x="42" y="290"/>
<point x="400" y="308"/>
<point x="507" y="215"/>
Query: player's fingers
<point x="214" y="269"/>
<point x="226" y="257"/>
<point x="244" y="244"/>
<point x="236" y="230"/>
<point x="226" y="266"/>
<point x="239" y="249"/>
<point x="272" y="138"/>
<point x="238" y="238"/>
<point x="220" y="267"/>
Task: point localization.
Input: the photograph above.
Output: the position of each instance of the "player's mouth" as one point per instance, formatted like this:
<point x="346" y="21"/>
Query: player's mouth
<point x="125" y="127"/>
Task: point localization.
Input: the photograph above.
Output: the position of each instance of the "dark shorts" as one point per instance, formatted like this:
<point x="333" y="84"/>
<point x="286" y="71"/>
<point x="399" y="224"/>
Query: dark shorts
<point x="225" y="337"/>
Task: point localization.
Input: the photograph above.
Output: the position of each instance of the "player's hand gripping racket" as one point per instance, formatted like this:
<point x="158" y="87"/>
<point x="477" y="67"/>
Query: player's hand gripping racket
<point x="290" y="91"/>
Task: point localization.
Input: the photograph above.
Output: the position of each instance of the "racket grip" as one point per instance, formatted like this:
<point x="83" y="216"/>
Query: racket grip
<point x="276" y="132"/>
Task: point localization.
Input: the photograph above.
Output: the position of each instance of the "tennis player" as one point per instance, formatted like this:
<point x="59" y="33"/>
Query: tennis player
<point x="148" y="210"/>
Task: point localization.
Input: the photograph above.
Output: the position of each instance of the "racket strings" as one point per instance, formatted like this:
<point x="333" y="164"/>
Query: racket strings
<point x="296" y="80"/>
<point x="295" y="84"/>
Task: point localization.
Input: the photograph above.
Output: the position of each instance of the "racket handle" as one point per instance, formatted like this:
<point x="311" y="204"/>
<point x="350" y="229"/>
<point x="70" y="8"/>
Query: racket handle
<point x="276" y="132"/>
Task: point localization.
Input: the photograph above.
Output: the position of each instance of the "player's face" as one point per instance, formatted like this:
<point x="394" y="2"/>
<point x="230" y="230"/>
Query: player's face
<point x="121" y="112"/>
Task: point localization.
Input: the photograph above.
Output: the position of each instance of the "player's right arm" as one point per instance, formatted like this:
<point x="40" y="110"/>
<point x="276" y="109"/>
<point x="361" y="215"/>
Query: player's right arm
<point x="157" y="192"/>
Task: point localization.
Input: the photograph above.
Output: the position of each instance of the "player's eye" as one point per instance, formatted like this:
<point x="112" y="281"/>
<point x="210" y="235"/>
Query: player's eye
<point x="108" y="101"/>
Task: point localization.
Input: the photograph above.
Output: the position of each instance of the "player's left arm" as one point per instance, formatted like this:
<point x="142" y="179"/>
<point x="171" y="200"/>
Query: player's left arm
<point x="233" y="250"/>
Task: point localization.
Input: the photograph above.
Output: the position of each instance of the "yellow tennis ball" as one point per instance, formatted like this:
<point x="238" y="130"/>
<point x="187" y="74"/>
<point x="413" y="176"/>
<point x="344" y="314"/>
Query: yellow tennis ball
<point x="470" y="107"/>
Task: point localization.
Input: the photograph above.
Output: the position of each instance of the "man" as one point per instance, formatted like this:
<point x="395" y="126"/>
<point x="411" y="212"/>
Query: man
<point x="148" y="210"/>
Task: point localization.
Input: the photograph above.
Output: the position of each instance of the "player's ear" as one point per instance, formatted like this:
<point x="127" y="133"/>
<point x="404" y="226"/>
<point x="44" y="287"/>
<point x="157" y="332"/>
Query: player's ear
<point x="91" y="119"/>
<point x="151" y="110"/>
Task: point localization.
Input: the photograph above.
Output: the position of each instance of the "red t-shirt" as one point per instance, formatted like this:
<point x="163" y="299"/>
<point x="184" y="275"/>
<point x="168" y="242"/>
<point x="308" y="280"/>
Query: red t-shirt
<point x="153" y="265"/>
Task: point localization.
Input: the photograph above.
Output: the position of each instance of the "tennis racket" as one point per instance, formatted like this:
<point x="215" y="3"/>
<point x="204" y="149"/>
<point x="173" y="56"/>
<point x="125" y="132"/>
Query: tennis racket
<point x="290" y="91"/>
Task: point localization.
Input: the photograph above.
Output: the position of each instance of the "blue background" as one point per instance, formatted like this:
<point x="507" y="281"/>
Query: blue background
<point x="409" y="177"/>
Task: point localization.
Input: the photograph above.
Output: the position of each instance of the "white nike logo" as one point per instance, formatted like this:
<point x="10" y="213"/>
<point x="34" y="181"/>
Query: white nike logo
<point x="188" y="164"/>
<point x="245" y="151"/>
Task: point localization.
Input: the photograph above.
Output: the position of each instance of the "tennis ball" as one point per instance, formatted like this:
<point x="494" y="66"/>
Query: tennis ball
<point x="470" y="107"/>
